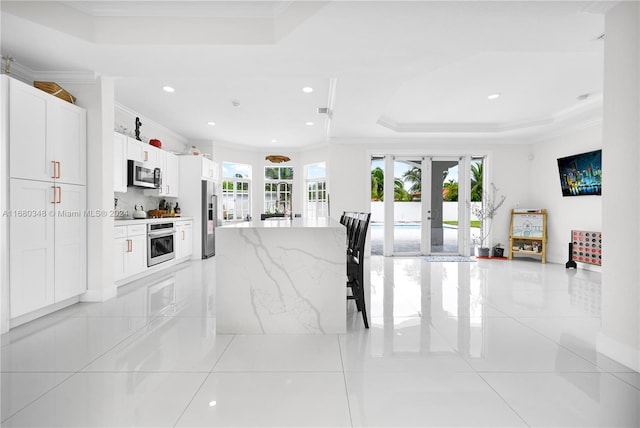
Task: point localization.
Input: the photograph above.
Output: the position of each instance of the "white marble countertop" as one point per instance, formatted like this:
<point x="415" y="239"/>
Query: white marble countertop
<point x="129" y="221"/>
<point x="296" y="223"/>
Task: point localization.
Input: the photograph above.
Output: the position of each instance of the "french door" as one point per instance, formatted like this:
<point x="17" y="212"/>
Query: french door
<point x="429" y="211"/>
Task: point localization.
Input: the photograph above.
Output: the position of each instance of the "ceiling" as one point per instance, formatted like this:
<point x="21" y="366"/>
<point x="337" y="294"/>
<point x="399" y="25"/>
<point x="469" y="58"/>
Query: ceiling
<point x="384" y="70"/>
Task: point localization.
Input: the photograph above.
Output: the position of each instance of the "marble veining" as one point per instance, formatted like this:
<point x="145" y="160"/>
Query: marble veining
<point x="281" y="280"/>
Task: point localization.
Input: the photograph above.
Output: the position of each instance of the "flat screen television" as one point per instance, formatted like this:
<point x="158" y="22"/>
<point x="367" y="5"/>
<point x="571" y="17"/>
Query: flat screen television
<point x="581" y="174"/>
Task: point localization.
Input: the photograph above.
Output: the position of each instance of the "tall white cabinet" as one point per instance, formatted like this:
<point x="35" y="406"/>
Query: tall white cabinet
<point x="47" y="199"/>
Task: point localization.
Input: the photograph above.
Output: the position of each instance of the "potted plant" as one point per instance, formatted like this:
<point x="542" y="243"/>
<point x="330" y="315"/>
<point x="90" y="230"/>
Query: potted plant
<point x="498" y="251"/>
<point x="485" y="213"/>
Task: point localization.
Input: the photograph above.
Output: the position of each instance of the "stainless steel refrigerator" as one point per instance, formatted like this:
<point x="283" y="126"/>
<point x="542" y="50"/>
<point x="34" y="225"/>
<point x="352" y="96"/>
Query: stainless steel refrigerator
<point x="209" y="219"/>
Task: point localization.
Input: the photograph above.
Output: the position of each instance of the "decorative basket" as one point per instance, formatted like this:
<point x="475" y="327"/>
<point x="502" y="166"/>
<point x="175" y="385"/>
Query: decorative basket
<point x="55" y="90"/>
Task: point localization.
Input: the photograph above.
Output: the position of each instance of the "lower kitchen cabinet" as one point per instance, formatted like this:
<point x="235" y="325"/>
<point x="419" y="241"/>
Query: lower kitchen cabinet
<point x="130" y="250"/>
<point x="183" y="239"/>
<point x="47" y="244"/>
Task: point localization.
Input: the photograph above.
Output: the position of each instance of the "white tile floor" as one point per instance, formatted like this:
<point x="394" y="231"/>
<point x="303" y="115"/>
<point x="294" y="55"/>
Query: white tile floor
<point x="489" y="343"/>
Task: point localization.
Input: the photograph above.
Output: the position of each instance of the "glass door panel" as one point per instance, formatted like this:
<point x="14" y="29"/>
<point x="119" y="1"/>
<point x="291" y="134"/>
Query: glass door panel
<point x="407" y="205"/>
<point x="444" y="206"/>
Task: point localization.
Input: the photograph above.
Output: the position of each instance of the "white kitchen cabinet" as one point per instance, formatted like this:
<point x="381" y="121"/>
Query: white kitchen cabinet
<point x="31" y="246"/>
<point x="119" y="162"/>
<point x="47" y="246"/>
<point x="70" y="230"/>
<point x="47" y="136"/>
<point x="170" y="176"/>
<point x="209" y="169"/>
<point x="130" y="249"/>
<point x="143" y="153"/>
<point x="183" y="239"/>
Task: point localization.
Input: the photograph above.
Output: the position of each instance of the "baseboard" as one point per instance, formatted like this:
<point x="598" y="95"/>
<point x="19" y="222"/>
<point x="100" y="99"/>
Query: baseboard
<point x="99" y="295"/>
<point x="619" y="352"/>
<point x="23" y="319"/>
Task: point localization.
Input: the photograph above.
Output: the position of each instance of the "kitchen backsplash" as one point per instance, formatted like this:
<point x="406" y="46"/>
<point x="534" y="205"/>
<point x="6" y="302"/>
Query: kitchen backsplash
<point x="128" y="201"/>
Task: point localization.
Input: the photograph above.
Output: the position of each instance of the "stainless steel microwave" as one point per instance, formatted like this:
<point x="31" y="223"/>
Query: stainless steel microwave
<point x="140" y="175"/>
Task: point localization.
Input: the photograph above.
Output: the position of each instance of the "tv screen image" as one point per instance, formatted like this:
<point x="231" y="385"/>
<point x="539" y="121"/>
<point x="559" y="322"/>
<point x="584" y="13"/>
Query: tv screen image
<point x="581" y="174"/>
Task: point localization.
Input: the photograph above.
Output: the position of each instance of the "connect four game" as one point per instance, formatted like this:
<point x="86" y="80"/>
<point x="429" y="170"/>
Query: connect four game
<point x="587" y="247"/>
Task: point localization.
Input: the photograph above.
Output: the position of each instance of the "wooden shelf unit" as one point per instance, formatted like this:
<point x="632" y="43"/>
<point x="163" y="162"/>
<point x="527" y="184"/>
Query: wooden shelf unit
<point x="528" y="234"/>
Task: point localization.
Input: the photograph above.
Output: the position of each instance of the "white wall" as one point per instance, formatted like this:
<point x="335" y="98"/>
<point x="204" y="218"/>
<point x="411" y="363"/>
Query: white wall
<point x="149" y="129"/>
<point x="98" y="99"/>
<point x="507" y="167"/>
<point x="620" y="338"/>
<point x="224" y="153"/>
<point x="564" y="213"/>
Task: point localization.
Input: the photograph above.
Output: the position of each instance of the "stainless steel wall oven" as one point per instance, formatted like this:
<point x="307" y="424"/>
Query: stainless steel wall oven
<point x="160" y="243"/>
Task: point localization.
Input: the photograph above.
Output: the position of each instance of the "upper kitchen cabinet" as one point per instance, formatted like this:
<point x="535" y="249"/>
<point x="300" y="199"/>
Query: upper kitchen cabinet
<point x="144" y="153"/>
<point x="170" y="174"/>
<point x="119" y="162"/>
<point x="209" y="169"/>
<point x="47" y="136"/>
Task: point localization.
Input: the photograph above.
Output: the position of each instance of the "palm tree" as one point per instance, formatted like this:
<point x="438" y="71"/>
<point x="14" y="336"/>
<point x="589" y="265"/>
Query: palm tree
<point x="377" y="184"/>
<point x="450" y="191"/>
<point x="399" y="192"/>
<point x="476" y="182"/>
<point x="413" y="176"/>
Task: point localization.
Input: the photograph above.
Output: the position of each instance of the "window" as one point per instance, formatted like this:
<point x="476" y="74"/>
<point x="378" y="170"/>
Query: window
<point x="236" y="191"/>
<point x="317" y="198"/>
<point x="278" y="185"/>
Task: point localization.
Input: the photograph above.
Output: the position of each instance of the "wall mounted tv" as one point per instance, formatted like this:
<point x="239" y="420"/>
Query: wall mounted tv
<point x="581" y="174"/>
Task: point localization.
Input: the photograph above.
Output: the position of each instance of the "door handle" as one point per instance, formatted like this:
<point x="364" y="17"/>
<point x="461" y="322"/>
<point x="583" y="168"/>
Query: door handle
<point x="54" y="194"/>
<point x="129" y="246"/>
<point x="56" y="169"/>
<point x="146" y="156"/>
<point x="59" y="193"/>
<point x="183" y="235"/>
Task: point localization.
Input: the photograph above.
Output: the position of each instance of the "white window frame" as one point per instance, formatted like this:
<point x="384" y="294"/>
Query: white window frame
<point x="230" y="210"/>
<point x="278" y="192"/>
<point x="316" y="194"/>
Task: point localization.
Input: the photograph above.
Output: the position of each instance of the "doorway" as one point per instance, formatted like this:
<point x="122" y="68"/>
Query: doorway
<point x="429" y="211"/>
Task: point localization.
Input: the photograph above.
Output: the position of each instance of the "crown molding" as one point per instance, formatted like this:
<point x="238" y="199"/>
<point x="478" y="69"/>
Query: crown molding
<point x="600" y="7"/>
<point x="28" y="75"/>
<point x="582" y="115"/>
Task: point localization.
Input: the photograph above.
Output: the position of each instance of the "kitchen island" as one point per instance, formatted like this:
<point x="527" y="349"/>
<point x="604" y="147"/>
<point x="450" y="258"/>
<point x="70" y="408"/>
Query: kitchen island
<point x="281" y="276"/>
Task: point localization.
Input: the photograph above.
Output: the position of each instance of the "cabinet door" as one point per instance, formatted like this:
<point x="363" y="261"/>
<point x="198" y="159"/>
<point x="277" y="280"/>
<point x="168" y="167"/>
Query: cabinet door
<point x="119" y="163"/>
<point x="136" y="261"/>
<point x="187" y="241"/>
<point x="67" y="133"/>
<point x="207" y="170"/>
<point x="171" y="173"/>
<point x="135" y="150"/>
<point x="31" y="246"/>
<point x="162" y="160"/>
<point x="30" y="156"/>
<point x="70" y="241"/>
<point x="121" y="254"/>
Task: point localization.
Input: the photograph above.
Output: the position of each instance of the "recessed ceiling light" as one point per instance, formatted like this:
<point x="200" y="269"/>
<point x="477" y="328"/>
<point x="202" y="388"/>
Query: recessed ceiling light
<point x="493" y="96"/>
<point x="309" y="123"/>
<point x="168" y="89"/>
<point x="307" y="89"/>
<point x="211" y="123"/>
<point x="274" y="141"/>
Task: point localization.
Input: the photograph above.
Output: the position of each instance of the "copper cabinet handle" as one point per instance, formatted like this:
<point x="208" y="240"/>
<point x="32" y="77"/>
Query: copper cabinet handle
<point x="59" y="193"/>
<point x="56" y="169"/>
<point x="183" y="235"/>
<point x="129" y="246"/>
<point x="54" y="194"/>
